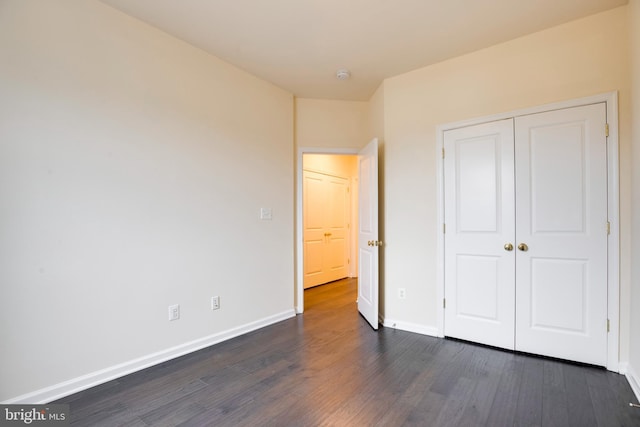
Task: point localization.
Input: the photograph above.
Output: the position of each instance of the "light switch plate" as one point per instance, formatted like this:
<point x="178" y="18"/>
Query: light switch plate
<point x="174" y="312"/>
<point x="266" y="214"/>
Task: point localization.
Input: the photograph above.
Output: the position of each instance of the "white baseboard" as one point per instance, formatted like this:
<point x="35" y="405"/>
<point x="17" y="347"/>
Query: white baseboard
<point x="623" y="367"/>
<point x="634" y="382"/>
<point x="410" y="327"/>
<point x="66" y="388"/>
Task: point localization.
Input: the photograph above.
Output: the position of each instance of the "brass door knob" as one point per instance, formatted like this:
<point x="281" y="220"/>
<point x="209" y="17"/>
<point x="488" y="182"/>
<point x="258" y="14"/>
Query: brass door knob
<point x="508" y="247"/>
<point x="523" y="247"/>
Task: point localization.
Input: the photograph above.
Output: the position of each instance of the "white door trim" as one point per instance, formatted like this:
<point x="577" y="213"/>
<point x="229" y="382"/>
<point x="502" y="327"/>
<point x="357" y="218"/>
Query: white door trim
<point x="613" y="248"/>
<point x="299" y="232"/>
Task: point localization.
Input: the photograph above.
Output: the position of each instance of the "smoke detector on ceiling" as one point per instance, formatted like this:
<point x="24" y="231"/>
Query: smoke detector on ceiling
<point x="343" y="74"/>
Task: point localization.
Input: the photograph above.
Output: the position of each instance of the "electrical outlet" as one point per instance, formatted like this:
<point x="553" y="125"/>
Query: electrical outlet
<point x="174" y="312"/>
<point x="215" y="303"/>
<point x="402" y="293"/>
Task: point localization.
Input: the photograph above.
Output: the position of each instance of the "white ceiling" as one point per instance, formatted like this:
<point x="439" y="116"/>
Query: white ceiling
<point x="299" y="44"/>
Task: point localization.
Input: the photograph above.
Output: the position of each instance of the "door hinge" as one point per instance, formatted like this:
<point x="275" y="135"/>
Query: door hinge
<point x="444" y="303"/>
<point x="608" y="227"/>
<point x="606" y="129"/>
<point x="443" y="152"/>
<point x="348" y="261"/>
<point x="608" y="326"/>
<point x="444" y="228"/>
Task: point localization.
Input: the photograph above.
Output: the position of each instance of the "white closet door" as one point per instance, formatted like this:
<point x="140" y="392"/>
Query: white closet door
<point x="313" y="222"/>
<point x="326" y="218"/>
<point x="337" y="225"/>
<point x="479" y="217"/>
<point x="561" y="211"/>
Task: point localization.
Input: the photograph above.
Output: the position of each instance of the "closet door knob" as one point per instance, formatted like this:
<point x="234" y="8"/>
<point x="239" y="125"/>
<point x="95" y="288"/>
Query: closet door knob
<point x="523" y="247"/>
<point x="508" y="247"/>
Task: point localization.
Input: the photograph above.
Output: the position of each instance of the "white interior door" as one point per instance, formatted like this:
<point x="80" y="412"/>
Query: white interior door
<point x="479" y="206"/>
<point x="313" y="225"/>
<point x="325" y="224"/>
<point x="368" y="243"/>
<point x="561" y="208"/>
<point x="337" y="223"/>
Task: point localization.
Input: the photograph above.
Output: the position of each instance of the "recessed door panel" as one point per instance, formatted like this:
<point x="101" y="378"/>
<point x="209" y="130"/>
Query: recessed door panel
<point x="337" y="202"/>
<point x="558" y="175"/>
<point x="477" y="179"/>
<point x="477" y="291"/>
<point x="313" y="257"/>
<point x="365" y="288"/>
<point x="559" y="295"/>
<point x="314" y="201"/>
<point x="366" y="219"/>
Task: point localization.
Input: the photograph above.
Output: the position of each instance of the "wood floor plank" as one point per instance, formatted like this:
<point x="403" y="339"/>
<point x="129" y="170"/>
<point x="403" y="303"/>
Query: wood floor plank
<point x="505" y="402"/>
<point x="579" y="403"/>
<point x="608" y="410"/>
<point x="328" y="367"/>
<point x="479" y="405"/>
<point x="554" y="399"/>
<point x="529" y="408"/>
<point x="173" y="414"/>
<point x="456" y="403"/>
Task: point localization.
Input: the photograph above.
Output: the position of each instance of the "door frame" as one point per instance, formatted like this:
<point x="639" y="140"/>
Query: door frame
<point x="299" y="232"/>
<point x="613" y="200"/>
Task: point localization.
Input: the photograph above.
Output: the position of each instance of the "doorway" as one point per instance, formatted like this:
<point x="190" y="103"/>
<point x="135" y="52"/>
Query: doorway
<point x="365" y="241"/>
<point x="329" y="218"/>
<point x="329" y="250"/>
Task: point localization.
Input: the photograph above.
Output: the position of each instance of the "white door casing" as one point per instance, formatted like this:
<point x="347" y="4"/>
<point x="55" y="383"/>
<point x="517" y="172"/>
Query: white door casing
<point x="368" y="251"/>
<point x="561" y="210"/>
<point x="479" y="201"/>
<point x="560" y="280"/>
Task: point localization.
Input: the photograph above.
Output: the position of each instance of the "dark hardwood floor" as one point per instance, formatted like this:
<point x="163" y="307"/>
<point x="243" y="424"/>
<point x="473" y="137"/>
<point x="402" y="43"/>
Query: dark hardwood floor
<point x="329" y="368"/>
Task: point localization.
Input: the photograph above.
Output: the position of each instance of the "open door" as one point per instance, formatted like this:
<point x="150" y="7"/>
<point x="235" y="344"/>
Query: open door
<point x="368" y="243"/>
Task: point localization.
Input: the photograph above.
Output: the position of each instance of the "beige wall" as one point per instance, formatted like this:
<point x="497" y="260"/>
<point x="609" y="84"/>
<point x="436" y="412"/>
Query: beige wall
<point x="345" y="166"/>
<point x="375" y="115"/>
<point x="132" y="172"/>
<point x="634" y="352"/>
<point x="323" y="123"/>
<point x="581" y="58"/>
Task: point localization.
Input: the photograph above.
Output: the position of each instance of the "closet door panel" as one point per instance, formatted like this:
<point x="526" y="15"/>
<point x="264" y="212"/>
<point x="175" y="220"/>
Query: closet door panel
<point x="479" y="207"/>
<point x="325" y="222"/>
<point x="561" y="217"/>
